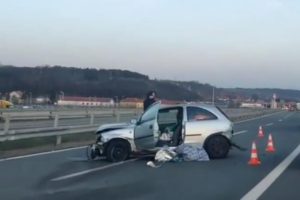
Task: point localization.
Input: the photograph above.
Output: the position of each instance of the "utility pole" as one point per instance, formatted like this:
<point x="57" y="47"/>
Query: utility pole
<point x="30" y="98"/>
<point x="116" y="100"/>
<point x="62" y="95"/>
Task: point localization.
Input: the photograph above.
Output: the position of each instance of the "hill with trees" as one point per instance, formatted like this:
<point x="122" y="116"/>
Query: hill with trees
<point x="51" y="81"/>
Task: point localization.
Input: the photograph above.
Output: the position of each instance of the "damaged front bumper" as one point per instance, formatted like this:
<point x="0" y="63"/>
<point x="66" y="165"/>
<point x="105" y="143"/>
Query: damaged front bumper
<point x="95" y="150"/>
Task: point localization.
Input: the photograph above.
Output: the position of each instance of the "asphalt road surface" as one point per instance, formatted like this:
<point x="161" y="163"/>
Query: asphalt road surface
<point x="67" y="174"/>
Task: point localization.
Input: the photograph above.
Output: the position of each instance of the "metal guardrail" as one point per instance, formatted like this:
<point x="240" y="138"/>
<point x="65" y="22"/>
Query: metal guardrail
<point x="59" y="131"/>
<point x="7" y="134"/>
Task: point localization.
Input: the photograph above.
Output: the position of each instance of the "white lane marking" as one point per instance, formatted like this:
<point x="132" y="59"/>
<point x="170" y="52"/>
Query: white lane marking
<point x="68" y="176"/>
<point x="264" y="184"/>
<point x="270" y="124"/>
<point x="289" y="115"/>
<point x="240" y="132"/>
<point x="40" y="154"/>
<point x="247" y="120"/>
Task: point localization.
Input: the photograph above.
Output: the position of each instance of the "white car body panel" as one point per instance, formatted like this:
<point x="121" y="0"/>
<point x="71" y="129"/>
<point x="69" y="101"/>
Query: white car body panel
<point x="196" y="132"/>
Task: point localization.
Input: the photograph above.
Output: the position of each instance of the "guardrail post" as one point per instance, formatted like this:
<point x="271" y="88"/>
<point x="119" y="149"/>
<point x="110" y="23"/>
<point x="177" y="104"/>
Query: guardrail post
<point x="6" y="124"/>
<point x="50" y="115"/>
<point x="58" y="139"/>
<point x="56" y="121"/>
<point x="92" y="118"/>
<point x="117" y="114"/>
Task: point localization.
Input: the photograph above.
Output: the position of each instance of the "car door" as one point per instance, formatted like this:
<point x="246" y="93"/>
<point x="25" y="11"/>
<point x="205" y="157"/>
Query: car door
<point x="146" y="131"/>
<point x="200" y="123"/>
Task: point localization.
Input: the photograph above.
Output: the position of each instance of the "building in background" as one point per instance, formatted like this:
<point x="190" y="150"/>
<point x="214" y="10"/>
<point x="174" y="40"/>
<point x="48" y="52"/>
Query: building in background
<point x="252" y="105"/>
<point x="274" y="102"/>
<point x="15" y="97"/>
<point x="132" y="103"/>
<point x="298" y="106"/>
<point x="42" y="100"/>
<point x="86" y="101"/>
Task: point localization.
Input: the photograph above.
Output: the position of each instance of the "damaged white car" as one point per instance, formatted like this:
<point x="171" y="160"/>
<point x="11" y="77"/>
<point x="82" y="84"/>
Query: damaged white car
<point x="163" y="125"/>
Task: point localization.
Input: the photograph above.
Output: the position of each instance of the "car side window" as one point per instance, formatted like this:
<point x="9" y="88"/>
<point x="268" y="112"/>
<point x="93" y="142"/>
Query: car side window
<point x="150" y="114"/>
<point x="199" y="114"/>
<point x="167" y="116"/>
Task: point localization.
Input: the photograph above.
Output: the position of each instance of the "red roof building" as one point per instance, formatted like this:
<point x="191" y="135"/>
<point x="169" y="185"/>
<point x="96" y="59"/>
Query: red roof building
<point x="86" y="101"/>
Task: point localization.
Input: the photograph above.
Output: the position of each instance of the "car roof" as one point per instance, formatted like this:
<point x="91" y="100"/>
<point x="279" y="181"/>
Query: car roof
<point x="202" y="105"/>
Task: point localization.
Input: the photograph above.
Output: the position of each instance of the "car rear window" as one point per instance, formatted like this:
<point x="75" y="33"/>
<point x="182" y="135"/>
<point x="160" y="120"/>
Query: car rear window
<point x="199" y="114"/>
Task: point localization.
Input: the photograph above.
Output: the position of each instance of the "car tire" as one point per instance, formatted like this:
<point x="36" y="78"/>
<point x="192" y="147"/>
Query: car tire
<point x="217" y="147"/>
<point x="117" y="151"/>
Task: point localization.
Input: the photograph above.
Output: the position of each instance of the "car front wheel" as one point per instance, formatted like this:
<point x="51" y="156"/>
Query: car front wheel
<point x="117" y="151"/>
<point x="217" y="147"/>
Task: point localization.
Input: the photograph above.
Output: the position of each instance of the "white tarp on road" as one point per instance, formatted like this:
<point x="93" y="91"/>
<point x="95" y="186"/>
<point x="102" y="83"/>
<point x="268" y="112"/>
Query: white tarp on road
<point x="183" y="152"/>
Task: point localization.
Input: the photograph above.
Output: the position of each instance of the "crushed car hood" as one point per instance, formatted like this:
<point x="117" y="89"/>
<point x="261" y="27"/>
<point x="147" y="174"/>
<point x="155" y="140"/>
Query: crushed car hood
<point x="115" y="126"/>
<point x="120" y="130"/>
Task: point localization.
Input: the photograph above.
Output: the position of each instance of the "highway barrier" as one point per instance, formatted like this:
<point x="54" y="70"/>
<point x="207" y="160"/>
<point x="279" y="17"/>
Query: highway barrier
<point x="9" y="134"/>
<point x="13" y="123"/>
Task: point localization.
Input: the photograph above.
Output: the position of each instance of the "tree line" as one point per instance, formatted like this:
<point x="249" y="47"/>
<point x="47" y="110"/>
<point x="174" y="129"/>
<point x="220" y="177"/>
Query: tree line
<point x="53" y="80"/>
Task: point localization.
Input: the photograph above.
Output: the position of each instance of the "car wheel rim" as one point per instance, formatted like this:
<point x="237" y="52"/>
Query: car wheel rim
<point x="218" y="147"/>
<point x="119" y="153"/>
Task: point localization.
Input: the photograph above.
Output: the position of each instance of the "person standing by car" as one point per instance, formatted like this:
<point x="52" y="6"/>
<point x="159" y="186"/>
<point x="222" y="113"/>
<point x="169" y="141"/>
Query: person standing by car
<point x="149" y="100"/>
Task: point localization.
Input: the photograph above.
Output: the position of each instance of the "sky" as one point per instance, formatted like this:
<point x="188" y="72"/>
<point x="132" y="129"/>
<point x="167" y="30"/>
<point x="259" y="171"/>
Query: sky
<point x="232" y="43"/>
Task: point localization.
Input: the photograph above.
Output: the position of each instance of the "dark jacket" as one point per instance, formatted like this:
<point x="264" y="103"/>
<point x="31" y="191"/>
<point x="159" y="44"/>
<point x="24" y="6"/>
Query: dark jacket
<point x="148" y="102"/>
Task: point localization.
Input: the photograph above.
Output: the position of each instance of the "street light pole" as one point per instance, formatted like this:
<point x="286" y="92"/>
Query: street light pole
<point x="116" y="101"/>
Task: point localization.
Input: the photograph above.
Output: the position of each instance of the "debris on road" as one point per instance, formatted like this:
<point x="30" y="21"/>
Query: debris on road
<point x="192" y="153"/>
<point x="183" y="152"/>
<point x="238" y="146"/>
<point x="153" y="165"/>
<point x="164" y="155"/>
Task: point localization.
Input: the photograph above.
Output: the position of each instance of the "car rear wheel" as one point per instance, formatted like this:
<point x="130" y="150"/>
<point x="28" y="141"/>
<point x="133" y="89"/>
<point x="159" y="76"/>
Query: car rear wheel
<point x="117" y="151"/>
<point x="217" y="147"/>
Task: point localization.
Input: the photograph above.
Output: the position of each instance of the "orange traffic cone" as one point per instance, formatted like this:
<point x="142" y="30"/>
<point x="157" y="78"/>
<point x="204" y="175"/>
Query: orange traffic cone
<point x="254" y="160"/>
<point x="270" y="146"/>
<point x="260" y="132"/>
